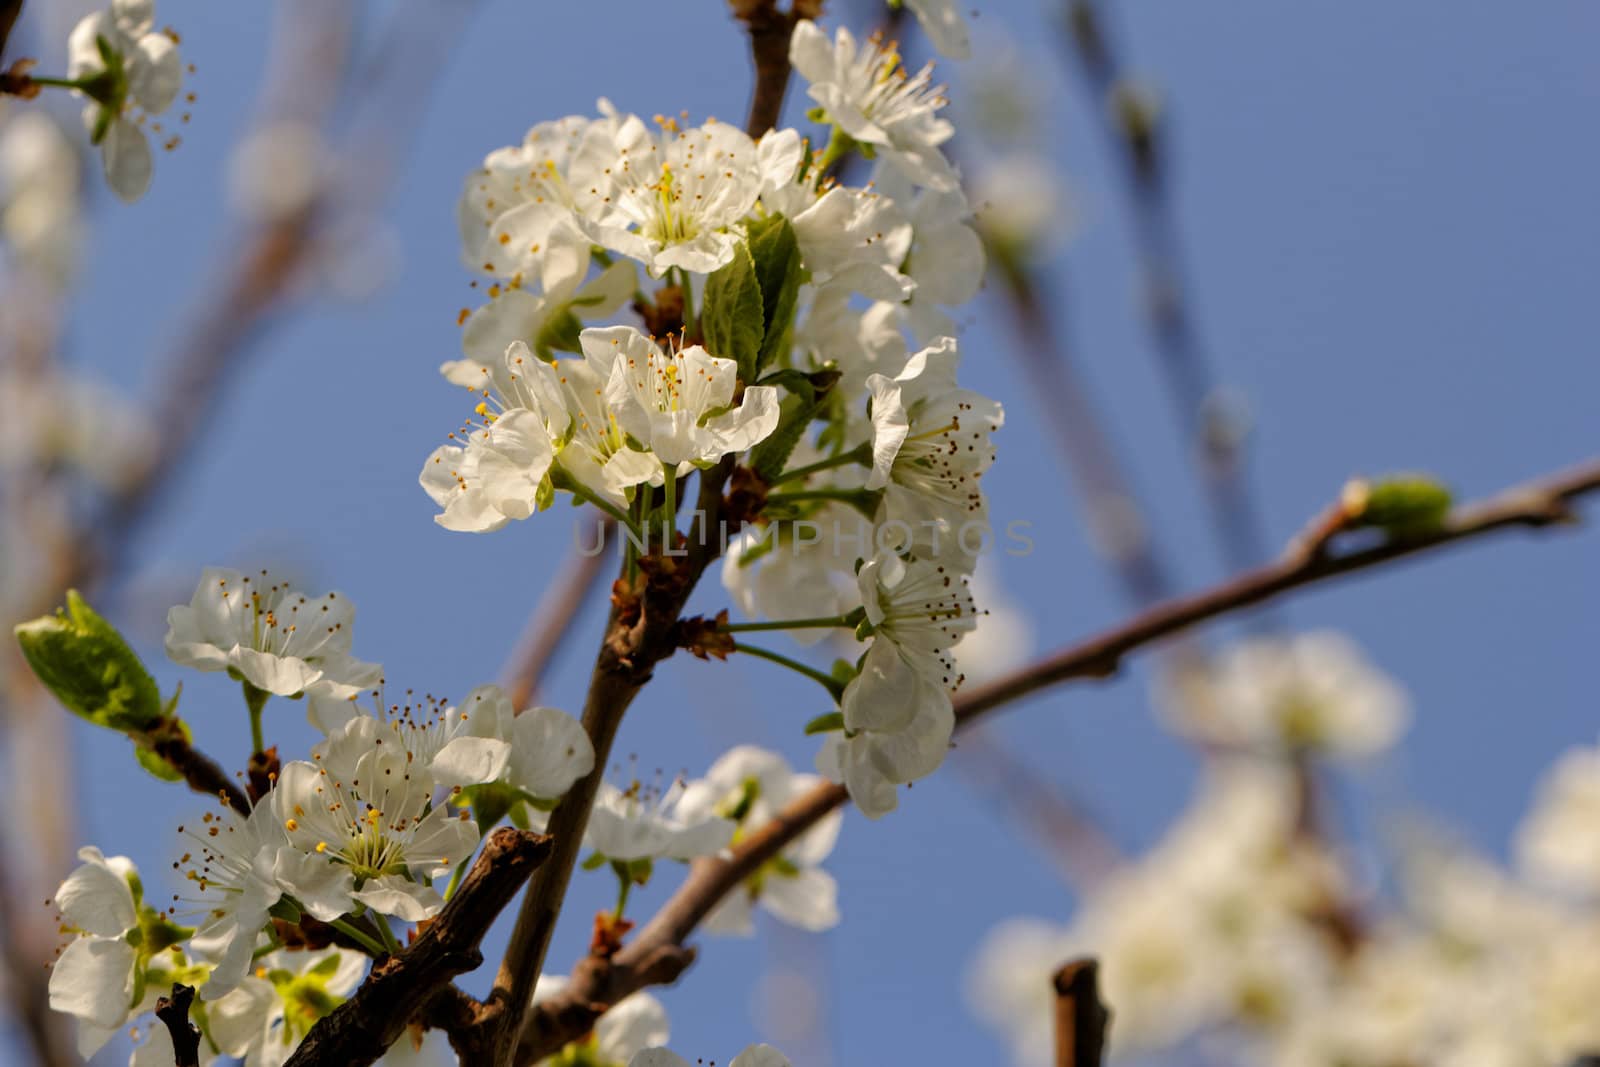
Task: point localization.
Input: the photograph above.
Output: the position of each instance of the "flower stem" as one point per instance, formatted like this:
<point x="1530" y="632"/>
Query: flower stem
<point x="785" y="624"/>
<point x="863" y="500"/>
<point x="670" y="483"/>
<point x="356" y="934"/>
<point x="840" y="144"/>
<point x="625" y="886"/>
<point x="455" y="878"/>
<point x="389" y="940"/>
<point x="861" y="455"/>
<point x="58" y="83"/>
<point x="827" y="681"/>
<point x="256" y="701"/>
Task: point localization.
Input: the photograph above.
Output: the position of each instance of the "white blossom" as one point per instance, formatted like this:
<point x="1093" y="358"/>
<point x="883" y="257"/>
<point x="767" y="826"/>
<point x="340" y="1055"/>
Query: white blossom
<point x="525" y="212"/>
<point x="1313" y="691"/>
<point x="751" y="786"/>
<point x="93" y="978"/>
<point x="241" y="867"/>
<point x="930" y="447"/>
<point x="944" y="258"/>
<point x="1559" y="840"/>
<point x="276" y="638"/>
<point x="918" y="610"/>
<point x="266" y="1017"/>
<point x="138" y="74"/>
<point x="538" y="751"/>
<point x="871" y="764"/>
<point x="40" y="213"/>
<point x="645" y="821"/>
<point x="676" y="198"/>
<point x="367" y="808"/>
<point x="853" y="240"/>
<point x="869" y="94"/>
<point x="679" y="402"/>
<point x="629" y="1026"/>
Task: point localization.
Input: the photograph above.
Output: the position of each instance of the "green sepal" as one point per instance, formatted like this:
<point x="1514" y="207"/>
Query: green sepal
<point x="732" y="319"/>
<point x="89" y="668"/>
<point x="594" y="862"/>
<point x="825" y="724"/>
<point x="490" y="803"/>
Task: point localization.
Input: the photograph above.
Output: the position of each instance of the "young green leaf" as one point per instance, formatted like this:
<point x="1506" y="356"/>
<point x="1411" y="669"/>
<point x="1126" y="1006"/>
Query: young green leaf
<point x="732" y="318"/>
<point x="776" y="253"/>
<point x="84" y="661"/>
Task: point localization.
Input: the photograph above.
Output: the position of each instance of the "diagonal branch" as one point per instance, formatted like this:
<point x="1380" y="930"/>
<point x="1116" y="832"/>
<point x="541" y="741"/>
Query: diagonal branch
<point x="361" y="1029"/>
<point x="1535" y="506"/>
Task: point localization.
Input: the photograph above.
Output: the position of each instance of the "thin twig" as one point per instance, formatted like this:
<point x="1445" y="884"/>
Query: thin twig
<point x="1535" y="505"/>
<point x="1135" y="131"/>
<point x="199" y="770"/>
<point x="1081" y="1017"/>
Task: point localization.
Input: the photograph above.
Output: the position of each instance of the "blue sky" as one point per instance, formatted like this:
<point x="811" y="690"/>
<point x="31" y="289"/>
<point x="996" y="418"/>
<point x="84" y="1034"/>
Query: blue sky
<point x="1393" y="247"/>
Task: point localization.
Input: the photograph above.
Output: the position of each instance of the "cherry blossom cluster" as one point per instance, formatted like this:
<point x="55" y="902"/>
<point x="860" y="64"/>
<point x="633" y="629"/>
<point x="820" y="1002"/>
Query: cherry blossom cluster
<point x="800" y="327"/>
<point x="1250" y="927"/>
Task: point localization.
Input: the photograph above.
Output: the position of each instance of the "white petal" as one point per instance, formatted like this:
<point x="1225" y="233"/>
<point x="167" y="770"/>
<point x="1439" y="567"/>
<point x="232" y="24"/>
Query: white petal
<point x="884" y="696"/>
<point x="93" y="980"/>
<point x="551" y="751"/>
<point x="471" y="761"/>
<point x="760" y="1056"/>
<point x="97" y="899"/>
<point x="400" y="897"/>
<point x="125" y="154"/>
<point x="636" y="1023"/>
<point x="321" y="886"/>
<point x="157" y="74"/>
<point x="284" y="675"/>
<point x="809" y="899"/>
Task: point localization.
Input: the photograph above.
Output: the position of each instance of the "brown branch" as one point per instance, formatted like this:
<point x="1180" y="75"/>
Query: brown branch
<point x="173" y="1012"/>
<point x="10" y="11"/>
<point x="1532" y="506"/>
<point x="770" y="30"/>
<point x="168" y="741"/>
<point x="361" y="1029"/>
<point x="1081" y="1018"/>
<point x="642" y="631"/>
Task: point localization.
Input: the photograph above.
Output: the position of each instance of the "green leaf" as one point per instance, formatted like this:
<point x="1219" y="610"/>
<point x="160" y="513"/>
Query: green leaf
<point x="84" y="661"/>
<point x="732" y="319"/>
<point x="826" y="724"/>
<point x="795" y="413"/>
<point x="1402" y="503"/>
<point x="776" y="253"/>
